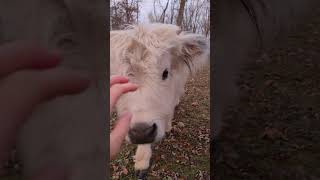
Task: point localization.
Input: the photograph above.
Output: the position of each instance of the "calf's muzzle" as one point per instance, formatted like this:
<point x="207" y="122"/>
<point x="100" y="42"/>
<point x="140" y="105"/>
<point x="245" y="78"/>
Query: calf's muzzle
<point x="143" y="133"/>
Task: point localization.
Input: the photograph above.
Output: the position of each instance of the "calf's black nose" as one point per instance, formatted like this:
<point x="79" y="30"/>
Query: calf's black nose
<point x="142" y="133"/>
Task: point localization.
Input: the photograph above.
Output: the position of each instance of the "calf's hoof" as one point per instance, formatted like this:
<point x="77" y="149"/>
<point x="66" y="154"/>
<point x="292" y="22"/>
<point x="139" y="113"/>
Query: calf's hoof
<point x="142" y="168"/>
<point x="141" y="174"/>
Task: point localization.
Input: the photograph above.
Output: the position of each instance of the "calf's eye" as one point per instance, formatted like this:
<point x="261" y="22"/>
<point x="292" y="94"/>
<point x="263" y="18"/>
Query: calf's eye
<point x="165" y="74"/>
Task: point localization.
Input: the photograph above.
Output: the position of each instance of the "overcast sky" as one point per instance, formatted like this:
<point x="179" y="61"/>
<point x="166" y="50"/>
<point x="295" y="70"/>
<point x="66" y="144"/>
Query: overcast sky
<point x="145" y="8"/>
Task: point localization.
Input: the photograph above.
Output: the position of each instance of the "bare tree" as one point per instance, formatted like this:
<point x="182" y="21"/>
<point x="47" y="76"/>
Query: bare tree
<point x="190" y="15"/>
<point x="162" y="17"/>
<point x="172" y="11"/>
<point x="124" y="12"/>
<point x="181" y="10"/>
<point x="157" y="9"/>
<point x="197" y="17"/>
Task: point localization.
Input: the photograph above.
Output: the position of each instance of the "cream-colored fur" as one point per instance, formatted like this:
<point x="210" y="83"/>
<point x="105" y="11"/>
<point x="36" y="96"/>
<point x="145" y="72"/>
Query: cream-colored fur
<point x="142" y="157"/>
<point x="142" y="53"/>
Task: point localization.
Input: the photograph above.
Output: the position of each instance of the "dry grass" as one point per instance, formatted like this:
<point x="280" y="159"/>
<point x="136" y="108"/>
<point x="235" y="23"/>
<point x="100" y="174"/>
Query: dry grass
<point x="184" y="153"/>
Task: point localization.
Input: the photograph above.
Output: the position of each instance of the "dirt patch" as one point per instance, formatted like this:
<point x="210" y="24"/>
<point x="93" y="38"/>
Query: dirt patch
<point x="274" y="130"/>
<point x="184" y="153"/>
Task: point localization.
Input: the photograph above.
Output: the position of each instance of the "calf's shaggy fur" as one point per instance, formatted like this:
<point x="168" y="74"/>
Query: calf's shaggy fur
<point x="143" y="53"/>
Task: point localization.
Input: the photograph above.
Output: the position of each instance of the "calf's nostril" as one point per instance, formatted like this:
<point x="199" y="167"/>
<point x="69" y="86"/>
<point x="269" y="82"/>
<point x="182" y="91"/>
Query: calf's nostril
<point x="151" y="130"/>
<point x="143" y="133"/>
<point x="134" y="132"/>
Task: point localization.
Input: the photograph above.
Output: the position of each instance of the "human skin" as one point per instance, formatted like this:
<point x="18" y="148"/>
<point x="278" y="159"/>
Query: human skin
<point x="119" y="85"/>
<point x="30" y="75"/>
<point x="37" y="72"/>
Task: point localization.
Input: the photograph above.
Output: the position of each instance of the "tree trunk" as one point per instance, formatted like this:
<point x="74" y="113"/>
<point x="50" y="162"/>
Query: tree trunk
<point x="181" y="10"/>
<point x="137" y="11"/>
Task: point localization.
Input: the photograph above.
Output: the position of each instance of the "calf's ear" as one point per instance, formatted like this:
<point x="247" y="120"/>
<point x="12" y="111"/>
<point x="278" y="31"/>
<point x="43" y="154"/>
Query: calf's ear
<point x="190" y="50"/>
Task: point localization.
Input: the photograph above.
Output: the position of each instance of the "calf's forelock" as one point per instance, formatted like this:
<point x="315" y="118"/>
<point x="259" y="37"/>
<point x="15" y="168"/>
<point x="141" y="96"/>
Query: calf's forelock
<point x="159" y="58"/>
<point x="186" y="49"/>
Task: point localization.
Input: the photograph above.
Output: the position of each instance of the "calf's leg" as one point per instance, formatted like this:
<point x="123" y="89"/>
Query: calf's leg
<point x="142" y="159"/>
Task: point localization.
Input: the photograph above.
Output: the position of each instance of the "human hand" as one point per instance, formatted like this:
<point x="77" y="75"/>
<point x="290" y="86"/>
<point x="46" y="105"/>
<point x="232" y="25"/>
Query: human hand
<point x="29" y="75"/>
<point x="119" y="85"/>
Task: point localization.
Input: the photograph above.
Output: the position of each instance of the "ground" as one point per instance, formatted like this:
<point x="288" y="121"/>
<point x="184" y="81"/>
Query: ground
<point x="184" y="153"/>
<point x="273" y="132"/>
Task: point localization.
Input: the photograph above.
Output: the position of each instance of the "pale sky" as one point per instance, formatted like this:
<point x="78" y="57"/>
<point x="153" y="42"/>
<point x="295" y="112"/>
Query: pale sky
<point x="145" y="8"/>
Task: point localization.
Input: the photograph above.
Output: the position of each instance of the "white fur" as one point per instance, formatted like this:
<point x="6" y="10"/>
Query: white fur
<point x="142" y="53"/>
<point x="142" y="157"/>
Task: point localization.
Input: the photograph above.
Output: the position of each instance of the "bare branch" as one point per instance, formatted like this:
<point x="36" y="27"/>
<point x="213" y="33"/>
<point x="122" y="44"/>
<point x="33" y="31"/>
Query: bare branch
<point x="162" y="17"/>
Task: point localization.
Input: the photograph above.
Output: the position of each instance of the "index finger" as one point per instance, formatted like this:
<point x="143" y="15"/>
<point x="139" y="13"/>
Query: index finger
<point x="21" y="55"/>
<point x="118" y="79"/>
<point x="118" y="89"/>
<point x="119" y="133"/>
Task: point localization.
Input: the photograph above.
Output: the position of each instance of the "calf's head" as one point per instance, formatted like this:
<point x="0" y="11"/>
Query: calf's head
<point x="159" y="58"/>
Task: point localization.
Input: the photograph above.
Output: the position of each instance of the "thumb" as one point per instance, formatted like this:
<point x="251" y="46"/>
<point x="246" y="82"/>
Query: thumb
<point x="119" y="133"/>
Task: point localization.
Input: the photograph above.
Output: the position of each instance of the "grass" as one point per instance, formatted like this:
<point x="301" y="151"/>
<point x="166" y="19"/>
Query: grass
<point x="184" y="153"/>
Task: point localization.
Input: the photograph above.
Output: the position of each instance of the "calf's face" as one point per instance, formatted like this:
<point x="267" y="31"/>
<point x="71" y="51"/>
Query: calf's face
<point x="159" y="60"/>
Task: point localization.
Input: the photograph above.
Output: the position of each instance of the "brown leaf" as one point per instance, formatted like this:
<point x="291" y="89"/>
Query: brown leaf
<point x="124" y="171"/>
<point x="273" y="133"/>
<point x="195" y="104"/>
<point x="268" y="82"/>
<point x="180" y="124"/>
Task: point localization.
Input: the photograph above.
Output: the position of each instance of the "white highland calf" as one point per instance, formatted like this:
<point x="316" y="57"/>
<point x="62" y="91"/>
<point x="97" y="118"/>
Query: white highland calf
<point x="159" y="58"/>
